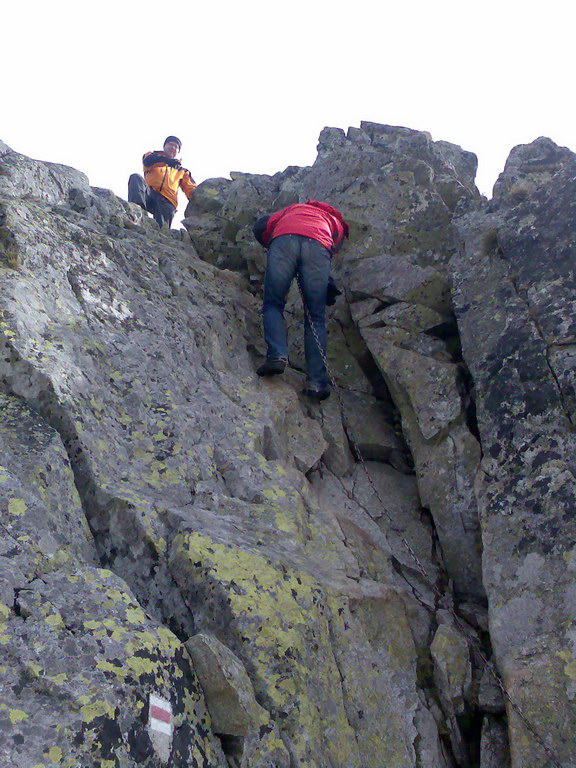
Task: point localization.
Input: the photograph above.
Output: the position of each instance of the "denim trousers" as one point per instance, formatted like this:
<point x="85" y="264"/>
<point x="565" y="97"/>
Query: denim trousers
<point x="309" y="261"/>
<point x="140" y="193"/>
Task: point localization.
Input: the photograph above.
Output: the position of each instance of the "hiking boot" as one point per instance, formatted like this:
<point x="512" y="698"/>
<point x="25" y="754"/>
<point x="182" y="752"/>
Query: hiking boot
<point x="316" y="391"/>
<point x="272" y="366"/>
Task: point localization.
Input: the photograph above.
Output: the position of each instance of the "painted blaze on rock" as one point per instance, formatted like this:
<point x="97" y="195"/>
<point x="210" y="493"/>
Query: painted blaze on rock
<point x="160" y="725"/>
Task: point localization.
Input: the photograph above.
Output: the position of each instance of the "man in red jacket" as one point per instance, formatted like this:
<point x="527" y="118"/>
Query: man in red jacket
<point x="300" y="239"/>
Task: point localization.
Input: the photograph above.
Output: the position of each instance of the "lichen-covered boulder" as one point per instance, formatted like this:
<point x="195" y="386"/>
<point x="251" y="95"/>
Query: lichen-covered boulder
<point x="236" y="715"/>
<point x="80" y="658"/>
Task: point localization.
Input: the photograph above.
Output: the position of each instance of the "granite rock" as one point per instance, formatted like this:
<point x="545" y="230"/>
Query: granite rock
<point x="175" y="527"/>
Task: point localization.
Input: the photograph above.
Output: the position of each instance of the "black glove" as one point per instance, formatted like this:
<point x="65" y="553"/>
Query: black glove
<point x="331" y="292"/>
<point x="260" y="227"/>
<point x="153" y="158"/>
<point x="173" y="162"/>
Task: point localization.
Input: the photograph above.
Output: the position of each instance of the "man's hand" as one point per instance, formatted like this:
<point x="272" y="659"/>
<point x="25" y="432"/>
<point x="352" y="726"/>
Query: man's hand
<point x="173" y="162"/>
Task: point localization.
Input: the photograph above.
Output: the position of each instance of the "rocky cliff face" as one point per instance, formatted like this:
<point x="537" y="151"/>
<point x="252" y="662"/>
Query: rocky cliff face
<point x="200" y="568"/>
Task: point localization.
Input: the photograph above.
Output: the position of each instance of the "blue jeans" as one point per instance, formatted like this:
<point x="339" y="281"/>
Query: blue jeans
<point x="290" y="255"/>
<point x="160" y="207"/>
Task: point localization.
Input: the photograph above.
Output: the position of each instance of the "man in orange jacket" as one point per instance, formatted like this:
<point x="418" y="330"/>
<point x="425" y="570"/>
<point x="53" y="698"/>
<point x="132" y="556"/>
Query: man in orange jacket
<point x="157" y="192"/>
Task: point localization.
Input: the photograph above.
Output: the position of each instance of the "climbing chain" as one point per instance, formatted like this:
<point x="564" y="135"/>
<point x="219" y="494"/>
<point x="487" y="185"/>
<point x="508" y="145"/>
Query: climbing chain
<point x="552" y="760"/>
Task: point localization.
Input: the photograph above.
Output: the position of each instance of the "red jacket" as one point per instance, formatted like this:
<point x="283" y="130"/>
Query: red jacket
<point x="313" y="218"/>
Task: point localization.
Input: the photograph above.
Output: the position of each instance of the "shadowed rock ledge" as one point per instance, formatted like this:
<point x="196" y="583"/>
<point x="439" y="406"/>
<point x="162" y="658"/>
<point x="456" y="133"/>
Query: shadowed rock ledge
<point x="174" y="526"/>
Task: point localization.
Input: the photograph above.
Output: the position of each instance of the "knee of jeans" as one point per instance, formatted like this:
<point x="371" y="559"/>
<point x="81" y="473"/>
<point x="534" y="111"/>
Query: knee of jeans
<point x="318" y="316"/>
<point x="272" y="303"/>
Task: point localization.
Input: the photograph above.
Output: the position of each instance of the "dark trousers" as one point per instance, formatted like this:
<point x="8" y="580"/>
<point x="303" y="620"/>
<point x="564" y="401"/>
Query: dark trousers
<point x="160" y="207"/>
<point x="292" y="256"/>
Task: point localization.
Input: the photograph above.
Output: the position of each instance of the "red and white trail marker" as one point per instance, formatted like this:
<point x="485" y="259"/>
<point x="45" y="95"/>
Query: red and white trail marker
<point x="160" y="725"/>
<point x="160" y="715"/>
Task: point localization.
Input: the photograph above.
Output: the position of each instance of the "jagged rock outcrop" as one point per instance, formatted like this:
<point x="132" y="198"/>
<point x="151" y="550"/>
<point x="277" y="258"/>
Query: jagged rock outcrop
<point x="302" y="585"/>
<point x="515" y="303"/>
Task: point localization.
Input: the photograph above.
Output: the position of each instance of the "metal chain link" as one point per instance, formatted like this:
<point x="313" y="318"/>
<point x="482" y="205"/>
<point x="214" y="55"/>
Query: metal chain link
<point x="553" y="762"/>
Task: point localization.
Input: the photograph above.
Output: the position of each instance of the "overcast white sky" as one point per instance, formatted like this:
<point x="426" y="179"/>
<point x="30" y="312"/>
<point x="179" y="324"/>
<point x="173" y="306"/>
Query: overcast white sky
<point x="248" y="86"/>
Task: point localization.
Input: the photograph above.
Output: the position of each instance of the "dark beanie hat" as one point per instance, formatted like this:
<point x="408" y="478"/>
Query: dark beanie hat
<point x="173" y="138"/>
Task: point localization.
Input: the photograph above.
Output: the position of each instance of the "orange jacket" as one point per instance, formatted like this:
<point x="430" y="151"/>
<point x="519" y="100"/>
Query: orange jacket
<point x="166" y="180"/>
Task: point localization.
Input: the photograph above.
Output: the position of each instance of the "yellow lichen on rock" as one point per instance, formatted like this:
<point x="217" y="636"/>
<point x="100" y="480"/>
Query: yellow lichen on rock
<point x="16" y="506"/>
<point x="283" y="617"/>
<point x="16" y="715"/>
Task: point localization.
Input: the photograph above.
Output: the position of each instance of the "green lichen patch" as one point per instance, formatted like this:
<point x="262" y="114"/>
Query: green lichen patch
<point x="280" y="620"/>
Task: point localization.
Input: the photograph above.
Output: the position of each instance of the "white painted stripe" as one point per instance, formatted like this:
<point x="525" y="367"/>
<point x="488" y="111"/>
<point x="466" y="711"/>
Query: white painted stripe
<point x="158" y="702"/>
<point x="158" y="725"/>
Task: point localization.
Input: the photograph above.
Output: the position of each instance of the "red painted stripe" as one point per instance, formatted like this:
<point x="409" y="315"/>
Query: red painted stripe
<point x="160" y="714"/>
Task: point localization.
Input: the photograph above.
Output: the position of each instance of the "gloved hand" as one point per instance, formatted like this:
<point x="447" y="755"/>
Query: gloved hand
<point x="173" y="162"/>
<point x="331" y="292"/>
